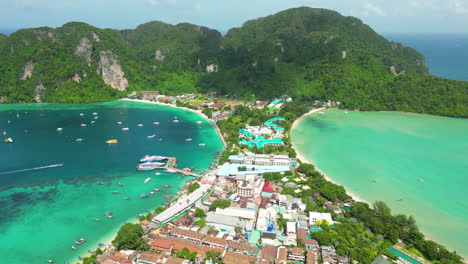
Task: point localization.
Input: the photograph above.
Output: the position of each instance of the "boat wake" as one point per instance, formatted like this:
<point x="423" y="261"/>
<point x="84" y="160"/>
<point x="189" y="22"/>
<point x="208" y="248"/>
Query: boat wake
<point x="31" y="169"/>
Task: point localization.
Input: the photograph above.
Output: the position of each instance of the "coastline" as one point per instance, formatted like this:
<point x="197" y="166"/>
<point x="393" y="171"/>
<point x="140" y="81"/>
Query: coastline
<point x="198" y="112"/>
<point x="303" y="159"/>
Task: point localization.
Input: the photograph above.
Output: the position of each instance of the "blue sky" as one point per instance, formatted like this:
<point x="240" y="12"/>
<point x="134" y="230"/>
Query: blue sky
<point x="383" y="15"/>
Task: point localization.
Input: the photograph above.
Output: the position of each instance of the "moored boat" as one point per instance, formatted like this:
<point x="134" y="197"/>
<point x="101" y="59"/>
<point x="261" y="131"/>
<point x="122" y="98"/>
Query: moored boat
<point x="83" y="125"/>
<point x="199" y="122"/>
<point x="152" y="136"/>
<point x="202" y="144"/>
<point x="8" y="140"/>
<point x="188" y="139"/>
<point x="74" y="248"/>
<point x="175" y="121"/>
<point x="145" y="166"/>
<point x="144" y="195"/>
<point x="121" y="184"/>
<point x="115" y="192"/>
<point x="125" y="129"/>
<point x="99" y="183"/>
<point x="167" y="186"/>
<point x="156" y="190"/>
<point x="112" y="141"/>
<point x="59" y="129"/>
<point x="127" y="198"/>
<point x="140" y="125"/>
<point x="153" y="158"/>
<point x="147" y="180"/>
<point x="155" y="123"/>
<point x="119" y="123"/>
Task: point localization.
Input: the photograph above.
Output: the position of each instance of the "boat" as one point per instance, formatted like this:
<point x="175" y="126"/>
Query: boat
<point x="78" y="140"/>
<point x="146" y="166"/>
<point x="175" y="121"/>
<point x="99" y="183"/>
<point x="59" y="129"/>
<point x="148" y="158"/>
<point x="121" y="184"/>
<point x="83" y="125"/>
<point x="95" y="113"/>
<point x="188" y="139"/>
<point x="112" y="141"/>
<point x="202" y="144"/>
<point x="167" y="197"/>
<point x="420" y="180"/>
<point x="74" y="248"/>
<point x="96" y="117"/>
<point x="147" y="180"/>
<point x="91" y="251"/>
<point x="4" y="133"/>
<point x="82" y="240"/>
<point x="144" y="195"/>
<point x="98" y="220"/>
<point x="400" y="200"/>
<point x="374" y="180"/>
<point x="78" y="242"/>
<point x="81" y="114"/>
<point x="152" y="136"/>
<point x="127" y="198"/>
<point x="151" y="192"/>
<point x="92" y="122"/>
<point x="199" y="122"/>
<point x="125" y="129"/>
<point x="8" y="140"/>
<point x="156" y="190"/>
<point x="50" y="261"/>
<point x="140" y="125"/>
<point x="119" y="123"/>
<point x="115" y="192"/>
<point x="160" y="139"/>
<point x="167" y="185"/>
<point x="155" y="123"/>
<point x="109" y="214"/>
<point x="157" y="173"/>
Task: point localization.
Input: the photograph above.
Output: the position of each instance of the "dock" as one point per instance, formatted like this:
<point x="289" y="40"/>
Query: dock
<point x="170" y="167"/>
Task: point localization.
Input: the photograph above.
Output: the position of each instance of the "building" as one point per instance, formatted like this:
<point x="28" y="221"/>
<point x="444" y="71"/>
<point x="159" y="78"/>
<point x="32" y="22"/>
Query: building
<point x="215" y="242"/>
<point x="311" y="258"/>
<point x="296" y="254"/>
<point x="241" y="248"/>
<point x="261" y="159"/>
<point x="187" y="234"/>
<point x="316" y="216"/>
<point x="291" y="228"/>
<point x="269" y="253"/>
<point x="236" y="258"/>
<point x="149" y="258"/>
<point x="266" y="219"/>
<point x="250" y="188"/>
<point x="237" y="212"/>
<point x="282" y="257"/>
<point x="227" y="169"/>
<point x="163" y="245"/>
<point x="225" y="222"/>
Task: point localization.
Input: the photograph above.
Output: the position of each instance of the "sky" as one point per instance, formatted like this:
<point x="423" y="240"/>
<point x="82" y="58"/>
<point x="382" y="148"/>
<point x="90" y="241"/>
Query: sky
<point x="384" y="16"/>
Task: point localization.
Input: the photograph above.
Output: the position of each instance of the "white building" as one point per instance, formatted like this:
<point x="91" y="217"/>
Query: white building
<point x="250" y="188"/>
<point x="316" y="216"/>
<point x="259" y="130"/>
<point x="291" y="228"/>
<point x="227" y="222"/>
<point x="261" y="159"/>
<point x="237" y="212"/>
<point x="264" y="217"/>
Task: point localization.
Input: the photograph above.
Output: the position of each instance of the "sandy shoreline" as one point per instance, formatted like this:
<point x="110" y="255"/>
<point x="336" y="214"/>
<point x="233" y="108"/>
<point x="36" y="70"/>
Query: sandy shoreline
<point x="303" y="159"/>
<point x="198" y="112"/>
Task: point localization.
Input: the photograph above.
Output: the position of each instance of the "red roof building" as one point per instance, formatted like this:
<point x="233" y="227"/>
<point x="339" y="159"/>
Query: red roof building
<point x="269" y="253"/>
<point x="269" y="187"/>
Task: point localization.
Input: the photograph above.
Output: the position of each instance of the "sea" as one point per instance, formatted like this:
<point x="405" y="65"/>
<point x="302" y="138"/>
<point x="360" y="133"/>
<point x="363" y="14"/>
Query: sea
<point x="46" y="207"/>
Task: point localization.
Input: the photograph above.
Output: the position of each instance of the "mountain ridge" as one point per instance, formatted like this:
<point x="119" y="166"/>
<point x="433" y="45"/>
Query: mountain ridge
<point x="306" y="52"/>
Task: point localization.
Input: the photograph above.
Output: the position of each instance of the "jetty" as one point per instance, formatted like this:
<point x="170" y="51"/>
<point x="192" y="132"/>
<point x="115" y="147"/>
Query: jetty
<point x="170" y="167"/>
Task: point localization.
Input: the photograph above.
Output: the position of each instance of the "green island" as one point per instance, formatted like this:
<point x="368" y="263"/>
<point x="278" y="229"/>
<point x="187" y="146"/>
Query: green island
<point x="258" y="202"/>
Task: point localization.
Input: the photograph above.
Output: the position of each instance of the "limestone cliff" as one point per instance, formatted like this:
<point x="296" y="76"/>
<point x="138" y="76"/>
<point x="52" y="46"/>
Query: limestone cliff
<point x="85" y="49"/>
<point x="111" y="71"/>
<point x="28" y="70"/>
<point x="39" y="92"/>
<point x="158" y="55"/>
<point x="212" y="68"/>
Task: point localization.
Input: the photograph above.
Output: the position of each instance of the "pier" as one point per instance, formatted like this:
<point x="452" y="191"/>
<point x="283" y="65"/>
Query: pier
<point x="170" y="167"/>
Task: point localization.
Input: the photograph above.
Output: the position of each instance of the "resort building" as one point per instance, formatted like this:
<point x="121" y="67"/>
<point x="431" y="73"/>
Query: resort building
<point x="261" y="142"/>
<point x="227" y="169"/>
<point x="250" y="188"/>
<point x="316" y="216"/>
<point x="250" y="158"/>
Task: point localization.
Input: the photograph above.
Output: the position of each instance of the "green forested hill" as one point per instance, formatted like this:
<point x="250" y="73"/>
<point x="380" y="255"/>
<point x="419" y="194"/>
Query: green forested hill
<point x="305" y="52"/>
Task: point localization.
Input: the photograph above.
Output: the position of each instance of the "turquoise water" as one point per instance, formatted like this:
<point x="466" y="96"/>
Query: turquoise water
<point x="46" y="210"/>
<point x="446" y="54"/>
<point x="396" y="149"/>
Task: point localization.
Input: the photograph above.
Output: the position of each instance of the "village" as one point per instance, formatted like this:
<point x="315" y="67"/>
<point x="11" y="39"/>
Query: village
<point x="251" y="207"/>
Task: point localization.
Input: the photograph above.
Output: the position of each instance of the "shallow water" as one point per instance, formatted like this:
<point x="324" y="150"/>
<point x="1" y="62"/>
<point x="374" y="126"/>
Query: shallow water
<point x="46" y="210"/>
<point x="397" y="149"/>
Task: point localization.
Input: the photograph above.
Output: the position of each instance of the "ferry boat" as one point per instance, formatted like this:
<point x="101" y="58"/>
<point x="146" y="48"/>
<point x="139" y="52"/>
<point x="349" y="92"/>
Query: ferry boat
<point x="147" y="180"/>
<point x="125" y="129"/>
<point x="112" y="141"/>
<point x="188" y="139"/>
<point x="145" y="166"/>
<point x="8" y="140"/>
<point x="144" y="195"/>
<point x="59" y="129"/>
<point x="148" y="158"/>
<point x="152" y="136"/>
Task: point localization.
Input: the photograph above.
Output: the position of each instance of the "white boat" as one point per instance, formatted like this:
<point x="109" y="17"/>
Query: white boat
<point x="8" y="140"/>
<point x="78" y="140"/>
<point x="83" y="125"/>
<point x="202" y="144"/>
<point x="154" y="158"/>
<point x="59" y="129"/>
<point x="92" y="122"/>
<point x="175" y="121"/>
<point x="188" y="139"/>
<point x="199" y="122"/>
<point x="152" y="136"/>
<point x="322" y="113"/>
<point x="119" y="123"/>
<point x="125" y="129"/>
<point x="146" y="166"/>
<point x="81" y="114"/>
<point x="147" y="180"/>
<point x="151" y="192"/>
<point x="160" y="139"/>
<point x="95" y="113"/>
<point x="96" y="117"/>
<point x="157" y="173"/>
<point x="155" y="123"/>
<point x="140" y="125"/>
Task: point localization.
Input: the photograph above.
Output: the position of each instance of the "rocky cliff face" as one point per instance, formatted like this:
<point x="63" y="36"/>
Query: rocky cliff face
<point x="111" y="71"/>
<point x="85" y="50"/>
<point x="28" y="70"/>
<point x="212" y="68"/>
<point x="39" y="92"/>
<point x="158" y="55"/>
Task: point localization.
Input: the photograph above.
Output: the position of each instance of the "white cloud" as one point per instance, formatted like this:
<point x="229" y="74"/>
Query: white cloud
<point x="370" y="8"/>
<point x="458" y="7"/>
